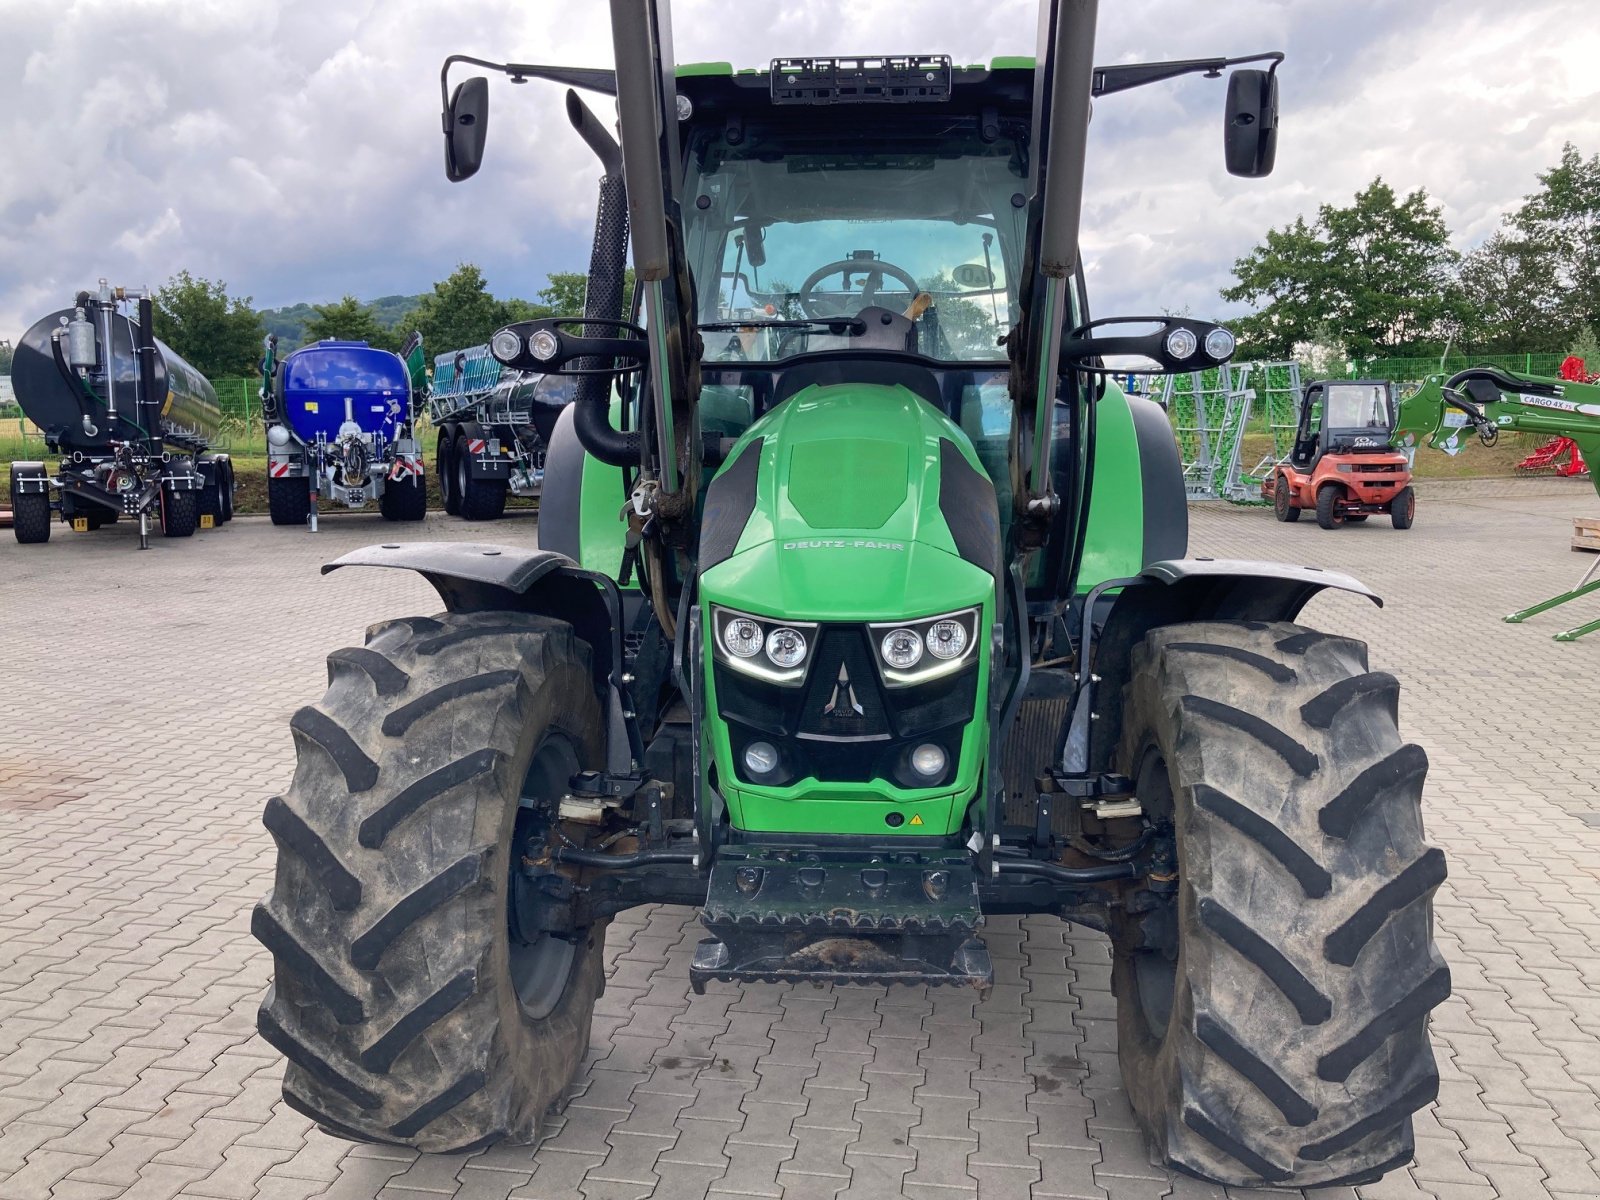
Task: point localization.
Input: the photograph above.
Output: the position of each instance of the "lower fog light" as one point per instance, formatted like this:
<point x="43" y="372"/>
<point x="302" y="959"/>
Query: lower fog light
<point x="761" y="758"/>
<point x="928" y="760"/>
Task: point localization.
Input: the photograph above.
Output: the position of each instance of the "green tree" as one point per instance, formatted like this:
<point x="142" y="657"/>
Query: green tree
<point x="1378" y="272"/>
<point x="5" y="355"/>
<point x="1562" y="220"/>
<point x="563" y="295"/>
<point x="219" y="334"/>
<point x="459" y="312"/>
<point x="1508" y="303"/>
<point x="349" y="320"/>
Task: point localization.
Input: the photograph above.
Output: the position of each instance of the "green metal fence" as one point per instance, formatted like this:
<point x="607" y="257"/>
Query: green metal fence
<point x="1414" y="370"/>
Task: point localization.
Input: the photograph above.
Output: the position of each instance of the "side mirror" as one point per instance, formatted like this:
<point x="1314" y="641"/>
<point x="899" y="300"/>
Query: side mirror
<point x="755" y="243"/>
<point x="1250" y="123"/>
<point x="1177" y="344"/>
<point x="466" y="126"/>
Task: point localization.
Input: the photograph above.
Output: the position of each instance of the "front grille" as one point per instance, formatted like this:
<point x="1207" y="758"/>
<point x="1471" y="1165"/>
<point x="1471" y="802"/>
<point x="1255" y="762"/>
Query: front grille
<point x="845" y="745"/>
<point x="842" y="695"/>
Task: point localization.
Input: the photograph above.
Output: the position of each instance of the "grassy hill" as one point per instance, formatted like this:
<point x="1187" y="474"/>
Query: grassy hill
<point x="289" y="323"/>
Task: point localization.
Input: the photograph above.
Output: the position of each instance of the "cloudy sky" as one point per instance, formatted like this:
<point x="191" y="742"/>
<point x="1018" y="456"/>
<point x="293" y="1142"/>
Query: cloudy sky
<point x="292" y="147"/>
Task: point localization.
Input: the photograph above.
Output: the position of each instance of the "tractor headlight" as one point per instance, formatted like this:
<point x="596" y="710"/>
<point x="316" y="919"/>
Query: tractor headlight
<point x="1220" y="344"/>
<point x="902" y="648"/>
<point x="742" y="638"/>
<point x="544" y="345"/>
<point x="1182" y="343"/>
<point x="506" y="345"/>
<point x="739" y="639"/>
<point x="786" y="647"/>
<point x="948" y="638"/>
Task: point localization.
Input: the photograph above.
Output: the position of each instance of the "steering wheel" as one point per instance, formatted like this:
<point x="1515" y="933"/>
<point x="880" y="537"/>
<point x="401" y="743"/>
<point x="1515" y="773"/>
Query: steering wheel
<point x="873" y="268"/>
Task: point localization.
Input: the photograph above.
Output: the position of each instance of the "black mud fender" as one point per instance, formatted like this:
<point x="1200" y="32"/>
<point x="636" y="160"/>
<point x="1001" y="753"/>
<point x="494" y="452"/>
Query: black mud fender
<point x="29" y="477"/>
<point x="481" y="577"/>
<point x="561" y="497"/>
<point x="1175" y="590"/>
<point x="482" y="465"/>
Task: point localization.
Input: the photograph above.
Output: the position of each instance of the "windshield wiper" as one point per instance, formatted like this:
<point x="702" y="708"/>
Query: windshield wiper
<point x="832" y="324"/>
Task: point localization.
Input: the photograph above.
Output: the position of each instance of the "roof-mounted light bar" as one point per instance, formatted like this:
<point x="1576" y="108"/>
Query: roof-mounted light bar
<point x="866" y="79"/>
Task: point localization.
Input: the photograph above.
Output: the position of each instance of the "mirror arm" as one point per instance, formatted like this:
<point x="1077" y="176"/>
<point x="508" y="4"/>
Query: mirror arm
<point x="1124" y="76"/>
<point x="594" y="79"/>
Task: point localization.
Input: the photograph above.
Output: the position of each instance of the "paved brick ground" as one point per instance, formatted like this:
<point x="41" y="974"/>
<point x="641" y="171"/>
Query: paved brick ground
<point x="146" y="701"/>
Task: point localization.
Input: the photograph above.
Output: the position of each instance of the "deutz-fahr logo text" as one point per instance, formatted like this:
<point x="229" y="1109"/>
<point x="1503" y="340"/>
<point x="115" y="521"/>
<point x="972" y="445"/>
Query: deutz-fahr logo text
<point x="843" y="543"/>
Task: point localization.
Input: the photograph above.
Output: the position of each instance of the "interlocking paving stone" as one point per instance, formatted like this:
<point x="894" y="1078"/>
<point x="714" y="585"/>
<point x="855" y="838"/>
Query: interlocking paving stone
<point x="128" y="1065"/>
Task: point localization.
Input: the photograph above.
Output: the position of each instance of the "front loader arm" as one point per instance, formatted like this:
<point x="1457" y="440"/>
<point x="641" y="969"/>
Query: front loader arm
<point x="1491" y="400"/>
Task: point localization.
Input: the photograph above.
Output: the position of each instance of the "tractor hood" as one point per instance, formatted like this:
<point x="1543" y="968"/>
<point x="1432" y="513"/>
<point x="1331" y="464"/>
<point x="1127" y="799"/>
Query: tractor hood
<point x="851" y="502"/>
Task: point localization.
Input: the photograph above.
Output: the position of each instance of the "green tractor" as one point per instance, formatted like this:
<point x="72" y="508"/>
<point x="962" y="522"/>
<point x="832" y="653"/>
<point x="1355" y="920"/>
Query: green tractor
<point x="861" y="613"/>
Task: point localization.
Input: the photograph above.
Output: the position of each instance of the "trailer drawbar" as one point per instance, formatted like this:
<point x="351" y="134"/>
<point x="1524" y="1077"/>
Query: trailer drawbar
<point x="132" y="422"/>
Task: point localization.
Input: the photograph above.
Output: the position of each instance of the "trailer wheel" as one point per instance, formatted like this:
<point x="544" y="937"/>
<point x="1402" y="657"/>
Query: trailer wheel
<point x="30" y="517"/>
<point x="227" y="492"/>
<point x="404" y="499"/>
<point x="481" y="499"/>
<point x="289" y="501"/>
<point x="1283" y="505"/>
<point x="1328" y="514"/>
<point x="444" y="458"/>
<point x="1272" y="1004"/>
<point x="180" y="512"/>
<point x="411" y="1008"/>
<point x="1403" y="508"/>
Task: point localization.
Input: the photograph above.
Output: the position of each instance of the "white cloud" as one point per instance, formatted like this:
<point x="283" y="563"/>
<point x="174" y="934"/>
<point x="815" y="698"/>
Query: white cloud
<point x="293" y="149"/>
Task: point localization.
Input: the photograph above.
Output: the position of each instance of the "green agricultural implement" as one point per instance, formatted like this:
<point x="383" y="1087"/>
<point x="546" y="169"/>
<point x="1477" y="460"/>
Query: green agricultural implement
<point x="1489" y="400"/>
<point x="861" y="615"/>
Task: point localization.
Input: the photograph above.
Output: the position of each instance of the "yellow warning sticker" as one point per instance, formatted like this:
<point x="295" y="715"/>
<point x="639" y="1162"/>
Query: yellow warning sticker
<point x="916" y="818"/>
<point x="311" y="406"/>
<point x="80" y="524"/>
<point x="207" y="521"/>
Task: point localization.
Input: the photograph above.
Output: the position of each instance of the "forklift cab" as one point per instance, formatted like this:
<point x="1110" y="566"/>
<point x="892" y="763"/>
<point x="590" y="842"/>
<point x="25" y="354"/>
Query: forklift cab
<point x="1354" y="416"/>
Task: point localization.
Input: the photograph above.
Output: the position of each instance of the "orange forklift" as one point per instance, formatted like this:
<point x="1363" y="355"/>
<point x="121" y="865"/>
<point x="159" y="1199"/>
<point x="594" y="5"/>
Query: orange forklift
<point x="1343" y="466"/>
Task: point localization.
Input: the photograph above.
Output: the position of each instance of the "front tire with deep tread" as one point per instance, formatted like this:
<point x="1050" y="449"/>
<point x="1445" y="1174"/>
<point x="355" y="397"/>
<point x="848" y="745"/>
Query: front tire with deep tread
<point x="1272" y="1015"/>
<point x="393" y="996"/>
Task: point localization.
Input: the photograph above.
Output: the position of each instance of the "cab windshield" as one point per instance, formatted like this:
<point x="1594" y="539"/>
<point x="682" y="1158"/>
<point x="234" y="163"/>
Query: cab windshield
<point x="1358" y="406"/>
<point x="788" y="231"/>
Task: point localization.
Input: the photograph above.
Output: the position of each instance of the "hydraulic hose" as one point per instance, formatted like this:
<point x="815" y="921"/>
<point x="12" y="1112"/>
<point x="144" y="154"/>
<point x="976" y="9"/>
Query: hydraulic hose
<point x="618" y="862"/>
<point x="591" y="407"/>
<point x="1069" y="875"/>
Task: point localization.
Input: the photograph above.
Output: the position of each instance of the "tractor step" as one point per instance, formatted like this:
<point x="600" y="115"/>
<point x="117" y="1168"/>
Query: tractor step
<point x="792" y="915"/>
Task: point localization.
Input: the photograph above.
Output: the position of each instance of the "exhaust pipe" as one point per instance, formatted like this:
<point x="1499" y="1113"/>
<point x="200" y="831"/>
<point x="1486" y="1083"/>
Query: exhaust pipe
<point x="608" y="259"/>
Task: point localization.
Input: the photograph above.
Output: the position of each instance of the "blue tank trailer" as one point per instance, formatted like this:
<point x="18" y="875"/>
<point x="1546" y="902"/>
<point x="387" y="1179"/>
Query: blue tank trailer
<point x="493" y="426"/>
<point x="339" y="427"/>
<point x="133" y="424"/>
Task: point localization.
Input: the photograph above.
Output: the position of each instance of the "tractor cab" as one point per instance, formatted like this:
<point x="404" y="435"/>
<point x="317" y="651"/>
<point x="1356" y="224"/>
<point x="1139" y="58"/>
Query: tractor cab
<point x="1344" y="417"/>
